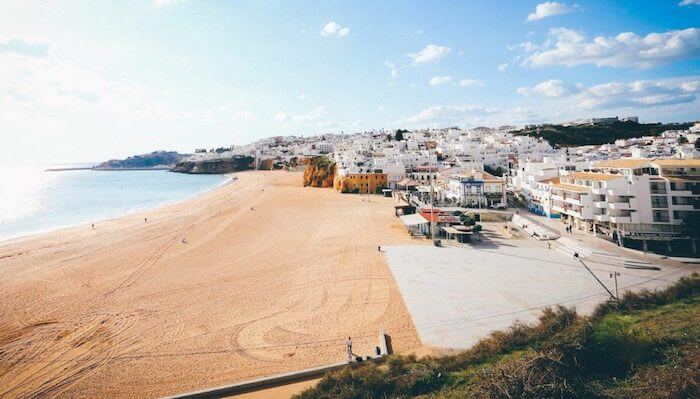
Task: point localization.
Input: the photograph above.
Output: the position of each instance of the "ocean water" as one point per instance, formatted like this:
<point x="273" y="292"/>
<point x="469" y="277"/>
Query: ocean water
<point x="33" y="200"/>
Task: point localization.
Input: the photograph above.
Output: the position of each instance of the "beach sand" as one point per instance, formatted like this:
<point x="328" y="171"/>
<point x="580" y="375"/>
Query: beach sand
<point x="130" y="310"/>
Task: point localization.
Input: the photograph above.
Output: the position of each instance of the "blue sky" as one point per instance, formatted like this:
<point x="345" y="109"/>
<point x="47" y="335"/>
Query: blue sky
<point x="89" y="80"/>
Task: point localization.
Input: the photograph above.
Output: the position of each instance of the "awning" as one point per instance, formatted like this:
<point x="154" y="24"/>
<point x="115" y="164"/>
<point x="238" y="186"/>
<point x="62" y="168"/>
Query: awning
<point x="413" y="219"/>
<point x="452" y="230"/>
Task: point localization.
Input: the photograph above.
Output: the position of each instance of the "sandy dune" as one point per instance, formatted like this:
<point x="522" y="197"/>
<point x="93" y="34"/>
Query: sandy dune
<point x="130" y="310"/>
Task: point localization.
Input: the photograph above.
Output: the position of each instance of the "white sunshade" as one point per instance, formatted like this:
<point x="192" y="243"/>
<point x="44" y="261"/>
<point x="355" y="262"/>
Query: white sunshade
<point x="413" y="219"/>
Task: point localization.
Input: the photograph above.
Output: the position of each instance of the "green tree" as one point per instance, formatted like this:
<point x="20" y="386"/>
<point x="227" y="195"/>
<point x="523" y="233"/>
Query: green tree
<point x="467" y="219"/>
<point x="398" y="136"/>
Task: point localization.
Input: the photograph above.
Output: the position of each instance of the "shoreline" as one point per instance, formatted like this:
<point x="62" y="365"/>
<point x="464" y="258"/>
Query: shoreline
<point x="259" y="277"/>
<point x="228" y="178"/>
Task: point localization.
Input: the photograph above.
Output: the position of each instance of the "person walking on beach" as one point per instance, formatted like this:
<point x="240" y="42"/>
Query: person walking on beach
<point x="145" y="220"/>
<point x="349" y="345"/>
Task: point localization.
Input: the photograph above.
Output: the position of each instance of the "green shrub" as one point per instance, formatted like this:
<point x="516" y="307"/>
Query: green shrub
<point x="619" y="343"/>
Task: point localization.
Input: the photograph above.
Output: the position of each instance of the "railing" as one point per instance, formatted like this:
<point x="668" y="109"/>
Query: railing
<point x="620" y="219"/>
<point x="619" y="205"/>
<point x="652" y="228"/>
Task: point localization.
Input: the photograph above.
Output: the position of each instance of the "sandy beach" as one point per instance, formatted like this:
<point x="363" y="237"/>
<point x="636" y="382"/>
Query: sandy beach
<point x="257" y="277"/>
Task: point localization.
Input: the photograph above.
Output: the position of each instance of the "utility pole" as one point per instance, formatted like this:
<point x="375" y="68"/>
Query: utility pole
<point x="432" y="201"/>
<point x="614" y="275"/>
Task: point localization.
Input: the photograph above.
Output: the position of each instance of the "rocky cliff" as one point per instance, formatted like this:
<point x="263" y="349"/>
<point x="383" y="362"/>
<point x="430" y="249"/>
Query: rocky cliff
<point x="320" y="172"/>
<point x="215" y="166"/>
<point x="152" y="160"/>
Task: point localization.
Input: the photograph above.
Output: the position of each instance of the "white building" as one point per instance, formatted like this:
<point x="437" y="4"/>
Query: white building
<point x="650" y="204"/>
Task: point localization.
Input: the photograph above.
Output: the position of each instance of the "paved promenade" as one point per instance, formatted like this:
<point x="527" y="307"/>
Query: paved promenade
<point x="459" y="294"/>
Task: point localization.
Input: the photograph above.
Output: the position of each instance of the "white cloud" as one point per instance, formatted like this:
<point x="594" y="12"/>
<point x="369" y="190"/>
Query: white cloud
<point x="446" y="115"/>
<point x="640" y="94"/>
<point x="470" y="83"/>
<point x="440" y="80"/>
<point x="431" y="53"/>
<point x="302" y="96"/>
<point x="393" y="71"/>
<point x="689" y="2"/>
<point x="614" y="95"/>
<point x="548" y="88"/>
<point x="502" y="67"/>
<point x="570" y="48"/>
<point x="23" y="47"/>
<point x="332" y="29"/>
<point x="550" y="8"/>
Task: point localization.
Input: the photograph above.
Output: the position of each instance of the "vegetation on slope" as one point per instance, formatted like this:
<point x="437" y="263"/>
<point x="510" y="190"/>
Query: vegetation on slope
<point x="566" y="136"/>
<point x="154" y="159"/>
<point x="236" y="163"/>
<point x="647" y="346"/>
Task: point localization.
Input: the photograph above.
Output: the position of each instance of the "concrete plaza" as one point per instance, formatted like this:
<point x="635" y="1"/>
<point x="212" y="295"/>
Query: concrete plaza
<point x="459" y="294"/>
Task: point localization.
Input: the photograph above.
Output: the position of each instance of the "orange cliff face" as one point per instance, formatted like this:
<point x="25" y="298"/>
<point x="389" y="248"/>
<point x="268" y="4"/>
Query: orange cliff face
<point x="320" y="172"/>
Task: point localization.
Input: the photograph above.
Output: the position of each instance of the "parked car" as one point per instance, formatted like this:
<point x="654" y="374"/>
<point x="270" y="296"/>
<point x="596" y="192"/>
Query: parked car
<point x="499" y="205"/>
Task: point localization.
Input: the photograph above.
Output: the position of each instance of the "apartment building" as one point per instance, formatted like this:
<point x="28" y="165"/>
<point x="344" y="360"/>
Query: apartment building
<point x="648" y="204"/>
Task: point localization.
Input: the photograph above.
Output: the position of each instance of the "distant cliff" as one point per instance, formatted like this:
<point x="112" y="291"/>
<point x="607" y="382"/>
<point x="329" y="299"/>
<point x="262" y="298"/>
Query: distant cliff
<point x="152" y="160"/>
<point x="215" y="166"/>
<point x="319" y="172"/>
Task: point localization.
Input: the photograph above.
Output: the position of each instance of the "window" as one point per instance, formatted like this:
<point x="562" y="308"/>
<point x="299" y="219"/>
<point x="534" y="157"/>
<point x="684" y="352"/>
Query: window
<point x="681" y="215"/>
<point x="659" y="201"/>
<point x="661" y="216"/>
<point x="657" y="187"/>
<point x="681" y="200"/>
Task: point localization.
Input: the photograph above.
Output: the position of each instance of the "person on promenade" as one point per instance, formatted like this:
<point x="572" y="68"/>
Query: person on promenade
<point x="349" y="345"/>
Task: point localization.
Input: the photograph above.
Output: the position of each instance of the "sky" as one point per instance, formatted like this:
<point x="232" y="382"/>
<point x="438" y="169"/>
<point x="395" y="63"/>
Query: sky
<point x="84" y="81"/>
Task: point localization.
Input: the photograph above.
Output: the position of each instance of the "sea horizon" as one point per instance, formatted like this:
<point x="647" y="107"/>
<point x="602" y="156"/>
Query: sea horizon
<point x="37" y="201"/>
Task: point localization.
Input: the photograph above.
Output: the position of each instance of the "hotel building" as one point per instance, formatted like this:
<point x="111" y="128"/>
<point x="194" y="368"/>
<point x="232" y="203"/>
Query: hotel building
<point x="648" y="204"/>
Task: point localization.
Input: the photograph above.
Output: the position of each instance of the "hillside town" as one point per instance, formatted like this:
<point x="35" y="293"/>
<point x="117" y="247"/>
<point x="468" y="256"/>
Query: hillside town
<point x="641" y="193"/>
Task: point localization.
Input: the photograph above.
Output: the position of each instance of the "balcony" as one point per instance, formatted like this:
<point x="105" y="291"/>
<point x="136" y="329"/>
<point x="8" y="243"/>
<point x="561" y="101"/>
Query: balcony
<point x="685" y="207"/>
<point x="573" y="213"/>
<point x="620" y="219"/>
<point x="556" y="197"/>
<point x="573" y="200"/>
<point x="598" y="190"/>
<point x="558" y="208"/>
<point x="602" y="218"/>
<point x="600" y="204"/>
<point x="619" y="205"/>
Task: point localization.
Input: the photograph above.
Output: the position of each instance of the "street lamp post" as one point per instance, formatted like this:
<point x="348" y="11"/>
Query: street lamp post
<point x="614" y="275"/>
